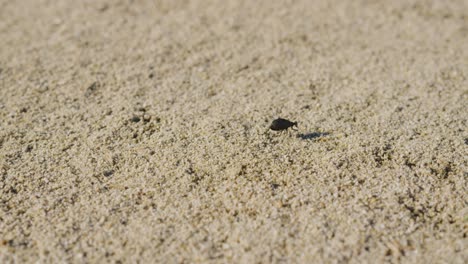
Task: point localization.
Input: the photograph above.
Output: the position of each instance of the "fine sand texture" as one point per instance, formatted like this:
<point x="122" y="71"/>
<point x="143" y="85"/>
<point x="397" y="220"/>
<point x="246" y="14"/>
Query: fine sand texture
<point x="137" y="131"/>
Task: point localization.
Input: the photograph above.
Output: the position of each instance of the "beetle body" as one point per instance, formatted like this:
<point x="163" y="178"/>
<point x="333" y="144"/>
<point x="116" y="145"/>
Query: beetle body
<point x="281" y="124"/>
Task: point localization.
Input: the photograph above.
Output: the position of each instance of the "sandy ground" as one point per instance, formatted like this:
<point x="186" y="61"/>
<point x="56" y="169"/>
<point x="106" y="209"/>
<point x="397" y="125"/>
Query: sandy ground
<point x="138" y="131"/>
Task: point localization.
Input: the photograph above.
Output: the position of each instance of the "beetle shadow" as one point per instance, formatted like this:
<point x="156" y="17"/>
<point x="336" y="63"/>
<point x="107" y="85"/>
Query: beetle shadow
<point x="313" y="135"/>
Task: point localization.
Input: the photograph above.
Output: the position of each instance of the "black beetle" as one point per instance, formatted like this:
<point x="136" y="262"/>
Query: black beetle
<point x="281" y="124"/>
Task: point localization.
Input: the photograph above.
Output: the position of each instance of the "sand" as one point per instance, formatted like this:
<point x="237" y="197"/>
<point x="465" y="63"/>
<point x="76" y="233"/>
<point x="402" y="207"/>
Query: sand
<point x="138" y="131"/>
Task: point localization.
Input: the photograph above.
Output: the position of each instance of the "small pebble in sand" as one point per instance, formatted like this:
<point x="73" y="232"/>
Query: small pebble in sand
<point x="92" y="89"/>
<point x="108" y="173"/>
<point x="281" y="124"/>
<point x="135" y="119"/>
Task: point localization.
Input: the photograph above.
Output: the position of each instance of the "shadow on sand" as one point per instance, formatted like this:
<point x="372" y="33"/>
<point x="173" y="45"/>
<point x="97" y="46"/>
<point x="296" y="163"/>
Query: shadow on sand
<point x="312" y="136"/>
